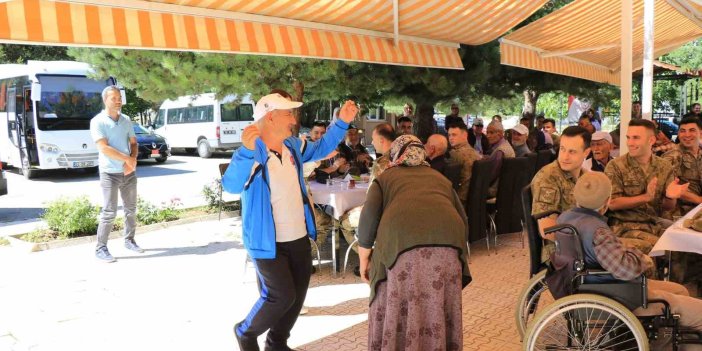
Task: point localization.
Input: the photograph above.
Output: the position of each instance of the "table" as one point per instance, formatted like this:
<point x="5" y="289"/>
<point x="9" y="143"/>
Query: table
<point x="341" y="200"/>
<point x="679" y="238"/>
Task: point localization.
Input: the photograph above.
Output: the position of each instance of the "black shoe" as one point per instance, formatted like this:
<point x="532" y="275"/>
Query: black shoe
<point x="245" y="344"/>
<point x="314" y="269"/>
<point x="357" y="271"/>
<point x="270" y="347"/>
<point x="130" y="244"/>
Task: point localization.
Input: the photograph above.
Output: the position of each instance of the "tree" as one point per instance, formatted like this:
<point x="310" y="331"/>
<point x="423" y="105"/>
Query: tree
<point x="11" y="53"/>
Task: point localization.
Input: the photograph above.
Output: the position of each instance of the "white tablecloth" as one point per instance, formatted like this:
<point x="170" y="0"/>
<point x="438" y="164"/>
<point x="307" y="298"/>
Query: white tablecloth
<point x="341" y="200"/>
<point x="678" y="238"/>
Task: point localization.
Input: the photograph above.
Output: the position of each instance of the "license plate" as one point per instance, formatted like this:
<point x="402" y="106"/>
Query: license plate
<point x="155" y="152"/>
<point x="82" y="164"/>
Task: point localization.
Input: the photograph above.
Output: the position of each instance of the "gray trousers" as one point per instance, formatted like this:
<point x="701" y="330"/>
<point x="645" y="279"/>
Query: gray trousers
<point x="111" y="183"/>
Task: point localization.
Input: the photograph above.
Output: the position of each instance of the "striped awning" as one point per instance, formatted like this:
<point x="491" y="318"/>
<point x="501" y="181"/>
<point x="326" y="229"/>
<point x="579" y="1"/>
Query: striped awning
<point x="582" y="39"/>
<point x="428" y="31"/>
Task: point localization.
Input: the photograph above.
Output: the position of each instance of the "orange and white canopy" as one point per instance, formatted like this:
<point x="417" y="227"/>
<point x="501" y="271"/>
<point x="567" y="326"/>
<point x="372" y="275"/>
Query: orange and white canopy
<point x="402" y="32"/>
<point x="583" y="38"/>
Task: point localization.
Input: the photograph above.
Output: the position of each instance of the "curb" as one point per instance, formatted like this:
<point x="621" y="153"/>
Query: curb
<point x="26" y="246"/>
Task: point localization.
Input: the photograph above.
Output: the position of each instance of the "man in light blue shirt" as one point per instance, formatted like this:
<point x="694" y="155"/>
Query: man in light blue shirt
<point x="116" y="142"/>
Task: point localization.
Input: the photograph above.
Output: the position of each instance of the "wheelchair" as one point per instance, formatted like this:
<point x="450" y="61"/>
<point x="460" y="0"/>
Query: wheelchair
<point x="535" y="295"/>
<point x="596" y="315"/>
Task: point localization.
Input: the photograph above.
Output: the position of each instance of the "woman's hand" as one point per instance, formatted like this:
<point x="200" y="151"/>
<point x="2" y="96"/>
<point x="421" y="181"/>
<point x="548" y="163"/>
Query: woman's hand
<point x="364" y="257"/>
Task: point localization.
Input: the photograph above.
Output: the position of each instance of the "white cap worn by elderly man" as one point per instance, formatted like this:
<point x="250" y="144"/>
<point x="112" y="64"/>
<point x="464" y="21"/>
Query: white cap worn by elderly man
<point x="592" y="190"/>
<point x="521" y="129"/>
<point x="602" y="136"/>
<point x="273" y="102"/>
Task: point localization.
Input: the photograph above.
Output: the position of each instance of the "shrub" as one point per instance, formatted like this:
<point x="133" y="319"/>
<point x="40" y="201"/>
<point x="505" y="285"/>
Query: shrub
<point x="148" y="213"/>
<point x="71" y="217"/>
<point x="211" y="194"/>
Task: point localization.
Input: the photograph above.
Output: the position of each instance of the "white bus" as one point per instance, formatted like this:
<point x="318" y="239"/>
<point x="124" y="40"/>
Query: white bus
<point x="204" y="123"/>
<point x="45" y="112"/>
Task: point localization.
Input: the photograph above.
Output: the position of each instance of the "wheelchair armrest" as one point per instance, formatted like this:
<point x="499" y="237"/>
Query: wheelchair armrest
<point x="666" y="306"/>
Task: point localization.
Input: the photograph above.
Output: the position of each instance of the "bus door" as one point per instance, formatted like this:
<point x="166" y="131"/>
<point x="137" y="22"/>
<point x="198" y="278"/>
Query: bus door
<point x="234" y="117"/>
<point x="29" y="131"/>
<point x="13" y="128"/>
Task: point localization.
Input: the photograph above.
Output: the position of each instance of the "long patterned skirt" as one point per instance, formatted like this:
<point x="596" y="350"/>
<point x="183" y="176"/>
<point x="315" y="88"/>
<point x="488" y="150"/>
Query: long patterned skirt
<point x="419" y="306"/>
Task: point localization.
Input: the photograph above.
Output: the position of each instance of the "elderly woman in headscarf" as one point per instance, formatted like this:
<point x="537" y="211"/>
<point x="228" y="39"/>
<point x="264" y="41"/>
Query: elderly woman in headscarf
<point x="412" y="238"/>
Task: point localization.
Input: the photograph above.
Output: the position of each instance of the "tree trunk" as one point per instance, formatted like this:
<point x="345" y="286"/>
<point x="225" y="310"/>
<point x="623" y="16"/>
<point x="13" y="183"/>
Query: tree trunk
<point x="425" y="125"/>
<point x="298" y="95"/>
<point x="530" y="99"/>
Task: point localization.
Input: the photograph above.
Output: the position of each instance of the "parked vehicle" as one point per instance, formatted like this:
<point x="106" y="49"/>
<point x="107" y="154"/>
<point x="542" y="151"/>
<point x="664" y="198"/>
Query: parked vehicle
<point x="668" y="128"/>
<point x="45" y="113"/>
<point x="204" y="123"/>
<point x="151" y="145"/>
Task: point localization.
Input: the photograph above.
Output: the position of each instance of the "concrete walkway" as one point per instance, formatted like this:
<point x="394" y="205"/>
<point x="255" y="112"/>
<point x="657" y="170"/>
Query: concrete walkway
<point x="189" y="288"/>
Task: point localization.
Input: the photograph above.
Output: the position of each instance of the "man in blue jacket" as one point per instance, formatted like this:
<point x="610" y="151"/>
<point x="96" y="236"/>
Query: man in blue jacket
<point x="277" y="214"/>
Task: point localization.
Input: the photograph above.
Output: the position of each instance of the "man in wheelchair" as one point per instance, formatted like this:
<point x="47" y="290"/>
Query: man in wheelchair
<point x="601" y="249"/>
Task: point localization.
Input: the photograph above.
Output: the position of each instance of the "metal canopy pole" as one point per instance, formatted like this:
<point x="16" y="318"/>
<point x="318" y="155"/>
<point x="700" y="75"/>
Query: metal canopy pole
<point x="625" y="73"/>
<point x="647" y="85"/>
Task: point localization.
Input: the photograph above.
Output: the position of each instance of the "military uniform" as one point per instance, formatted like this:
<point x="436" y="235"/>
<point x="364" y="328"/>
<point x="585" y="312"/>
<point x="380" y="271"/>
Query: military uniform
<point x="552" y="190"/>
<point x="465" y="155"/>
<point x="639" y="227"/>
<point x="349" y="220"/>
<point x="687" y="167"/>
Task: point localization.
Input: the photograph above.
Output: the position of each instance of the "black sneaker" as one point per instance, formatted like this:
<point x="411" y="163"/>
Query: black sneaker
<point x="244" y="343"/>
<point x="357" y="271"/>
<point x="103" y="254"/>
<point x="132" y="245"/>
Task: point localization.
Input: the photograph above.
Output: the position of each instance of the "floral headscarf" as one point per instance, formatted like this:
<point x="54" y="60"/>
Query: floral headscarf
<point x="407" y="151"/>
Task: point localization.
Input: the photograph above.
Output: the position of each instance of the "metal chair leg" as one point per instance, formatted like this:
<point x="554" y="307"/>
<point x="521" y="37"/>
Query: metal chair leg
<point x="348" y="251"/>
<point x="221" y="196"/>
<point x="493" y="229"/>
<point x="319" y="256"/>
<point x="521" y="233"/>
<point x="468" y="247"/>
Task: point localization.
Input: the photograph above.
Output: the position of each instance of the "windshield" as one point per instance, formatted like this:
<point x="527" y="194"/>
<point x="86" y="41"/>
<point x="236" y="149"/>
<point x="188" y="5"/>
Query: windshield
<point x="138" y="129"/>
<point x="68" y="102"/>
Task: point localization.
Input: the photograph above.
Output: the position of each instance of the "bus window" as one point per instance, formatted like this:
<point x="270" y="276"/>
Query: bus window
<point x="204" y="114"/>
<point x="246" y="112"/>
<point x="160" y="119"/>
<point x="173" y="116"/>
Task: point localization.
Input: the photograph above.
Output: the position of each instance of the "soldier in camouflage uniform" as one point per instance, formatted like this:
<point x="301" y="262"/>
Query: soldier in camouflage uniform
<point x="552" y="186"/>
<point x="382" y="137"/>
<point x="643" y="187"/>
<point x="686" y="160"/>
<point x="464" y="154"/>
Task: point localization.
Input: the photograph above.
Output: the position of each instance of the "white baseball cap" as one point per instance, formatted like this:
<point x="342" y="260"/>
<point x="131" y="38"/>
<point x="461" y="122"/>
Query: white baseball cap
<point x="521" y="129"/>
<point x="602" y="136"/>
<point x="272" y="102"/>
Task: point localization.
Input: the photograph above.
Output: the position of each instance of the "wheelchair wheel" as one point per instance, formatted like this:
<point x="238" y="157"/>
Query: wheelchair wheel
<point x="533" y="298"/>
<point x="585" y="322"/>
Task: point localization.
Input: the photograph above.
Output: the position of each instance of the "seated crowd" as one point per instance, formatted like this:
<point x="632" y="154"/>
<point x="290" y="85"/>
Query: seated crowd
<point x="621" y="204"/>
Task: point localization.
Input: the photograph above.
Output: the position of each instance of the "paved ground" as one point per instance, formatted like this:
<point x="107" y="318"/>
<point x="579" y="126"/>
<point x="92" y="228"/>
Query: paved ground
<point x="181" y="177"/>
<point x="190" y="286"/>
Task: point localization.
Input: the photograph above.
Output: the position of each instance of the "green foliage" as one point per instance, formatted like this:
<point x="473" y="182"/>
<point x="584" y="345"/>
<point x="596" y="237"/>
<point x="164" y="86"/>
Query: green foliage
<point x="41" y="236"/>
<point x="148" y="213"/>
<point x="4" y="242"/>
<point x="211" y="193"/>
<point x="12" y="53"/>
<point x="71" y="217"/>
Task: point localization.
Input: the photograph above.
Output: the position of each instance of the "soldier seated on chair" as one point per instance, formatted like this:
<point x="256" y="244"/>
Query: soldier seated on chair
<point x="552" y="186"/>
<point x="382" y="137"/>
<point x="643" y="189"/>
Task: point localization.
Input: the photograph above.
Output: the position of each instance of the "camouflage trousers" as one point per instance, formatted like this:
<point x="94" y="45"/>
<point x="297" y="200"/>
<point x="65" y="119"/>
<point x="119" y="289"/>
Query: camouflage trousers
<point x="640" y="235"/>
<point x="324" y="224"/>
<point x="349" y="223"/>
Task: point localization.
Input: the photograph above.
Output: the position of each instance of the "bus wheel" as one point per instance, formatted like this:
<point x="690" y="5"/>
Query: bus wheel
<point x="203" y="149"/>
